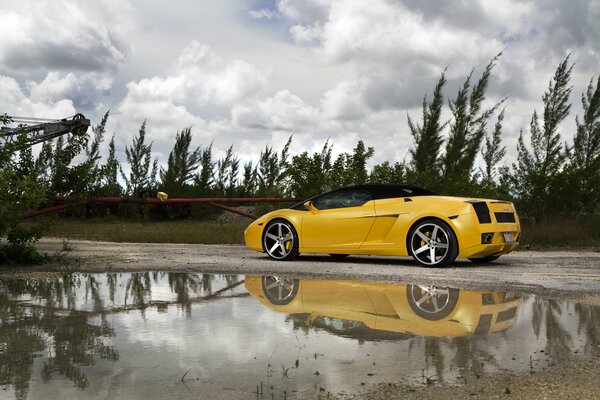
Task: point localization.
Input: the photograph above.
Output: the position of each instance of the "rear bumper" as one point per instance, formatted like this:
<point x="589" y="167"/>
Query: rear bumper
<point x="484" y="250"/>
<point x="470" y="237"/>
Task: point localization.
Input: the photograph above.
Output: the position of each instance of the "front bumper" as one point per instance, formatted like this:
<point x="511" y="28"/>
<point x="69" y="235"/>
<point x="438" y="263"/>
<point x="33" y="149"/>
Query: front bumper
<point x="253" y="237"/>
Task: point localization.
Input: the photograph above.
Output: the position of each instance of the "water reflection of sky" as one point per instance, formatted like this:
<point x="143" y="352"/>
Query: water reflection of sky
<point x="231" y="343"/>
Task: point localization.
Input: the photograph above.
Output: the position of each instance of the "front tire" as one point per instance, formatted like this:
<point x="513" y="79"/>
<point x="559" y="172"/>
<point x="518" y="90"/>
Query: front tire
<point x="280" y="290"/>
<point x="280" y="240"/>
<point x="432" y="243"/>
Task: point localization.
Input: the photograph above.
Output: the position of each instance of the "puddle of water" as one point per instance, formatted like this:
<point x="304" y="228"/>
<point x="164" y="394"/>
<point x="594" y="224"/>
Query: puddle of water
<point x="178" y="335"/>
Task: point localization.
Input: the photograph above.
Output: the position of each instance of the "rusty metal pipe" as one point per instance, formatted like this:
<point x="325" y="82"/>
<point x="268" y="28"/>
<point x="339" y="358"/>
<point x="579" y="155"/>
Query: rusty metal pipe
<point x="191" y="200"/>
<point x="211" y="201"/>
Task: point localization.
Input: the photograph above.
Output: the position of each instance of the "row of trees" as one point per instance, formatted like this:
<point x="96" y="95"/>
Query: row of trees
<point x="550" y="177"/>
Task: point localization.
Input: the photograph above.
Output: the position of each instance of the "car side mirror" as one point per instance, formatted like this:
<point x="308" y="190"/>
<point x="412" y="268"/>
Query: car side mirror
<point x="310" y="207"/>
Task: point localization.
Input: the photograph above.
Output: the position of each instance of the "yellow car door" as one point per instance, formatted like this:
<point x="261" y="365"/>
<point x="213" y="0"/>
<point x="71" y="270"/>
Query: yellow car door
<point x="337" y="221"/>
<point x="347" y="300"/>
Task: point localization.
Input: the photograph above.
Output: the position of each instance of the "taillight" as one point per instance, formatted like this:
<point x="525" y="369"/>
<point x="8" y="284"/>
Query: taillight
<point x="482" y="211"/>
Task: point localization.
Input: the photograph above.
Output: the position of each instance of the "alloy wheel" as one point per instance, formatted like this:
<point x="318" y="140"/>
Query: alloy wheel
<point x="430" y="299"/>
<point x="430" y="244"/>
<point x="280" y="240"/>
<point x="430" y="302"/>
<point x="280" y="289"/>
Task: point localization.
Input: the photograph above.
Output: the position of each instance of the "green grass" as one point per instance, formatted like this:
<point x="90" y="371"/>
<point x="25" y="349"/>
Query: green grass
<point x="566" y="233"/>
<point x="553" y="234"/>
<point x="208" y="232"/>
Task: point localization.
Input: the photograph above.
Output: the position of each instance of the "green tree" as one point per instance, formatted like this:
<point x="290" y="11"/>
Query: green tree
<point x="142" y="173"/>
<point x="388" y="173"/>
<point x="43" y="165"/>
<point x="351" y="169"/>
<point x="249" y="180"/>
<point x="585" y="164"/>
<point x="467" y="130"/>
<point x="492" y="183"/>
<point x="68" y="178"/>
<point x="182" y="164"/>
<point x="309" y="175"/>
<point x="204" y="179"/>
<point x="493" y="152"/>
<point x="537" y="173"/>
<point x="272" y="170"/>
<point x="21" y="192"/>
<point x="425" y="163"/>
<point x="227" y="170"/>
<point x="110" y="171"/>
<point x="91" y="169"/>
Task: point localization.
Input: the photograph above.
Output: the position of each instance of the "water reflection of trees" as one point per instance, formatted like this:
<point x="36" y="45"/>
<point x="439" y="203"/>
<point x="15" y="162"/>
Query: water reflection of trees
<point x="473" y="355"/>
<point x="588" y="323"/>
<point x="185" y="285"/>
<point x="42" y="319"/>
<point x="70" y="341"/>
<point x="467" y="354"/>
<point x="549" y="318"/>
<point x="20" y="344"/>
<point x="547" y="315"/>
<point x="76" y="343"/>
<point x="189" y="288"/>
<point x="139" y="290"/>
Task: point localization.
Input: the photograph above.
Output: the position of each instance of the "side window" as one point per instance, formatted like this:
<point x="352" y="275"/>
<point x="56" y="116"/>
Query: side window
<point x="342" y="199"/>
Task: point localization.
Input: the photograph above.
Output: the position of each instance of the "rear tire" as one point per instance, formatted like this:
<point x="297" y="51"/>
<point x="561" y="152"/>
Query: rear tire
<point x="432" y="243"/>
<point x="487" y="259"/>
<point x="431" y="303"/>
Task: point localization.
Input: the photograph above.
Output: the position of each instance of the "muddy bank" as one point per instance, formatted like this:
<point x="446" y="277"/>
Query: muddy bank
<point x="569" y="380"/>
<point x="558" y="274"/>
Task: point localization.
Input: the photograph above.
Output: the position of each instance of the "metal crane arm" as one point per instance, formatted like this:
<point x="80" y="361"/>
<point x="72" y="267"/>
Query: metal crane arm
<point x="41" y="132"/>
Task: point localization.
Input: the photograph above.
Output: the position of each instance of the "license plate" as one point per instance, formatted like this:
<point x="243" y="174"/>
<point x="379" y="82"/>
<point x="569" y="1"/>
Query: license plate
<point x="508" y="237"/>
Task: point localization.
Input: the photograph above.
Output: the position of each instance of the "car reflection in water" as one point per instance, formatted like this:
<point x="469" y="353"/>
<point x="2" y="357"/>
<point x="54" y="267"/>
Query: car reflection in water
<point x="376" y="310"/>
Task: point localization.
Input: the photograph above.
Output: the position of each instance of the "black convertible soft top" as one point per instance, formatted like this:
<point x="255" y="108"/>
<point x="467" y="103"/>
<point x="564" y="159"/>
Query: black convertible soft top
<point x="378" y="191"/>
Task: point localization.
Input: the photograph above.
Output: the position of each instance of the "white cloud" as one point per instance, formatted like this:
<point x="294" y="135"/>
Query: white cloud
<point x="264" y="14"/>
<point x="66" y="35"/>
<point x="84" y="89"/>
<point x="201" y="77"/>
<point x="340" y="69"/>
<point x="307" y="33"/>
<point x="345" y="101"/>
<point x="198" y="78"/>
<point x="307" y="10"/>
<point x="283" y="111"/>
<point x="383" y="32"/>
<point x="16" y="103"/>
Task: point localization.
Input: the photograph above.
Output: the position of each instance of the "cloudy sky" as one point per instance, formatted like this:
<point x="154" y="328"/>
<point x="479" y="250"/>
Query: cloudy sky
<point x="251" y="72"/>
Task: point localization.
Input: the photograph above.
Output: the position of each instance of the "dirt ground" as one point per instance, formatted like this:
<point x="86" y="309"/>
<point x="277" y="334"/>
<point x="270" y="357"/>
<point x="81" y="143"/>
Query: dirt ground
<point x="573" y="276"/>
<point x="556" y="274"/>
<point x="573" y="379"/>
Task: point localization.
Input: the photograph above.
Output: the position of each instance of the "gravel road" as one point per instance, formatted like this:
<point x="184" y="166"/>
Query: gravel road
<point x="558" y="274"/>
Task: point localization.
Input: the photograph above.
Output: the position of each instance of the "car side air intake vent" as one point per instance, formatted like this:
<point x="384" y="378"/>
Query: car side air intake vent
<point x="505" y="217"/>
<point x="482" y="211"/>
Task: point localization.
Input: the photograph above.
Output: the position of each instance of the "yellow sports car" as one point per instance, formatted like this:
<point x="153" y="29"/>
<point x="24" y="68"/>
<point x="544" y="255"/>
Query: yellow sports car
<point x="391" y="220"/>
<point x="345" y="305"/>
